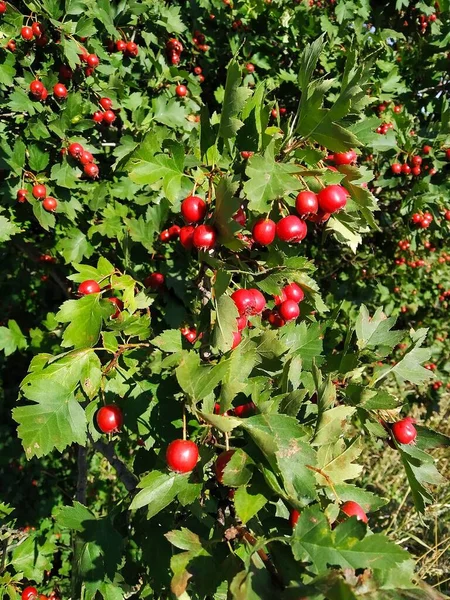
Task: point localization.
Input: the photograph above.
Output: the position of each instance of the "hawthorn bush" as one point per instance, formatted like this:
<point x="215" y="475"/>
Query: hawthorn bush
<point x="213" y="215"/>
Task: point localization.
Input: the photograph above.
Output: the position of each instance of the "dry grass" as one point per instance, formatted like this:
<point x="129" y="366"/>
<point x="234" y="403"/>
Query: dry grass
<point x="426" y="537"/>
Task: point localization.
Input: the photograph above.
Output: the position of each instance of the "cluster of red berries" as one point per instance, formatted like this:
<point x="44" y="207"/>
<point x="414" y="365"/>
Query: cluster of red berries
<point x="31" y="593"/>
<point x="203" y="237"/>
<point x="413" y="264"/>
<point x="91" y="60"/>
<point x="39" y="92"/>
<point x="384" y="128"/>
<point x="189" y="333"/>
<point x="246" y="154"/>
<point x="39" y="191"/>
<point x="130" y="49"/>
<point x="310" y="206"/>
<point x="444" y="258"/>
<point x="274" y="112"/>
<point x="90" y="286"/>
<point x="198" y="71"/>
<point x="423" y="220"/>
<point x="404" y="244"/>
<point x="85" y="158"/>
<point x="107" y="116"/>
<point x="381" y="108"/>
<point x="443" y="297"/>
<point x="407" y="169"/>
<point x="35" y="31"/>
<point x="198" y="40"/>
<point x="243" y="410"/>
<point x="174" y="48"/>
<point x="423" y="21"/>
<point x="286" y="306"/>
<point x="343" y="158"/>
<point x="437" y="385"/>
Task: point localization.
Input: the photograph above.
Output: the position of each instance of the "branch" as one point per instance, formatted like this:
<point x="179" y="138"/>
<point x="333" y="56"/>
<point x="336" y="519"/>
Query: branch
<point x="128" y="479"/>
<point x="82" y="475"/>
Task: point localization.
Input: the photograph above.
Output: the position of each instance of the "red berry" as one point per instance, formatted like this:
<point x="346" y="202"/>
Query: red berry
<point x="332" y="198"/>
<point x="240" y="216"/>
<point x="237" y="339"/>
<point x="250" y="68"/>
<point x="105" y="103"/>
<point x="49" y="204"/>
<point x="293" y="292"/>
<point x="246" y="154"/>
<point x="416" y="171"/>
<point x="221" y="462"/>
<point x="3" y="7"/>
<point x="75" y="150"/>
<point x="397" y="109"/>
<point x="241" y="322"/>
<point x="245" y="410"/>
<point x="155" y="281"/>
<point x="416" y="161"/>
<point x="11" y="45"/>
<point x="42" y="41"/>
<point x="164" y="236"/>
<point x="404" y="431"/>
<point x="427" y="149"/>
<point x="193" y="209"/>
<point x="88" y="287"/>
<point x="39" y="190"/>
<point x="86" y="157"/>
<point x="181" y="90"/>
<point x="29" y="593"/>
<point x="244" y="300"/>
<point x="197" y="70"/>
<point x="406" y="169"/>
<point x="91" y="170"/>
<point x="291" y="229"/>
<point x="109" y="418"/>
<point x="264" y="231"/>
<point x="289" y="310"/>
<point x="259" y="302"/>
<point x="60" y="90"/>
<point x="131" y="49"/>
<point x="182" y="456"/>
<point x="353" y="509"/>
<point x="204" y="237"/>
<point x="174" y="231"/>
<point x="306" y="203"/>
<point x="37" y="29"/>
<point x="446" y="214"/>
<point x="109" y="116"/>
<point x="36" y="88"/>
<point x="97" y="116"/>
<point x="274" y="113"/>
<point x="345" y="158"/>
<point x="121" y="45"/>
<point x="22" y="195"/>
<point x="27" y="33"/>
<point x="92" y="60"/>
<point x="65" y="72"/>
<point x="447" y="154"/>
<point x="396" y="168"/>
<point x="294" y="516"/>
<point x="186" y="236"/>
<point x="117" y="303"/>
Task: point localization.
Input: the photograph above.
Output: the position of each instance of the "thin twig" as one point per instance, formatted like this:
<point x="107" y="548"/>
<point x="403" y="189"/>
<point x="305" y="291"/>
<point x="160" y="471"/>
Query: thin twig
<point x="128" y="479"/>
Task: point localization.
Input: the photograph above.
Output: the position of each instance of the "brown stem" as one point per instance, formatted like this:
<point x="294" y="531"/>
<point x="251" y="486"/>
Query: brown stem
<point x="325" y="476"/>
<point x="249" y="538"/>
<point x="128" y="479"/>
<point x="82" y="475"/>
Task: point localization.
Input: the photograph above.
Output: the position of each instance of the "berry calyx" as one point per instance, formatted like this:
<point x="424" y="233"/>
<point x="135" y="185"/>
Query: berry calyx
<point x="49" y="204"/>
<point x="186" y="236"/>
<point x="109" y="418"/>
<point x="353" y="509"/>
<point x="91" y="170"/>
<point x="182" y="456"/>
<point x="75" y="150"/>
<point x="204" y="237"/>
<point x="60" y="90"/>
<point x="29" y="593"/>
<point x="289" y="310"/>
<point x="404" y="431"/>
<point x="89" y="286"/>
<point x="181" y="91"/>
<point x="332" y="198"/>
<point x="306" y="203"/>
<point x="291" y="229"/>
<point x="155" y="281"/>
<point x="193" y="209"/>
<point x="27" y="33"/>
<point x="344" y="158"/>
<point x="264" y="231"/>
<point x="39" y="191"/>
<point x="221" y="462"/>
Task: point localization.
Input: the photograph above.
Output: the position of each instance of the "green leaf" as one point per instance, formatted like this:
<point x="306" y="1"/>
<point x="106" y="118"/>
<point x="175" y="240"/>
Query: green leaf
<point x="345" y="546"/>
<point x="226" y="324"/>
<point x="32" y="558"/>
<point x="421" y="472"/>
<point x="268" y="180"/>
<point x="376" y="331"/>
<point x="198" y="380"/>
<point x="237" y="472"/>
<point x="158" y="491"/>
<point x="248" y="501"/>
<point x="64" y="175"/>
<point x="184" y="539"/>
<point x="226" y="205"/>
<point x="330" y="424"/>
<point x="336" y="462"/>
<point x="74" y="246"/>
<point x="85" y="317"/>
<point x="308" y="62"/>
<point x="37" y="158"/>
<point x="169" y="341"/>
<point x="11" y="338"/>
<point x="233" y="102"/>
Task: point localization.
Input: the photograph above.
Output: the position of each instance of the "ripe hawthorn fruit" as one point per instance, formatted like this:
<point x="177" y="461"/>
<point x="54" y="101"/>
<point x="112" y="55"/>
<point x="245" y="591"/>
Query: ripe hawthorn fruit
<point x="186" y="236"/>
<point x="181" y="91"/>
<point x="182" y="456"/>
<point x="289" y="310"/>
<point x="204" y="237"/>
<point x="306" y="203"/>
<point x="404" y="431"/>
<point x="291" y="229"/>
<point x="89" y="286"/>
<point x="332" y="198"/>
<point x="109" y="418"/>
<point x="193" y="209"/>
<point x="353" y="509"/>
<point x="49" y="204"/>
<point x="264" y="231"/>
<point x="39" y="191"/>
<point x="155" y="281"/>
<point x="221" y="462"/>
